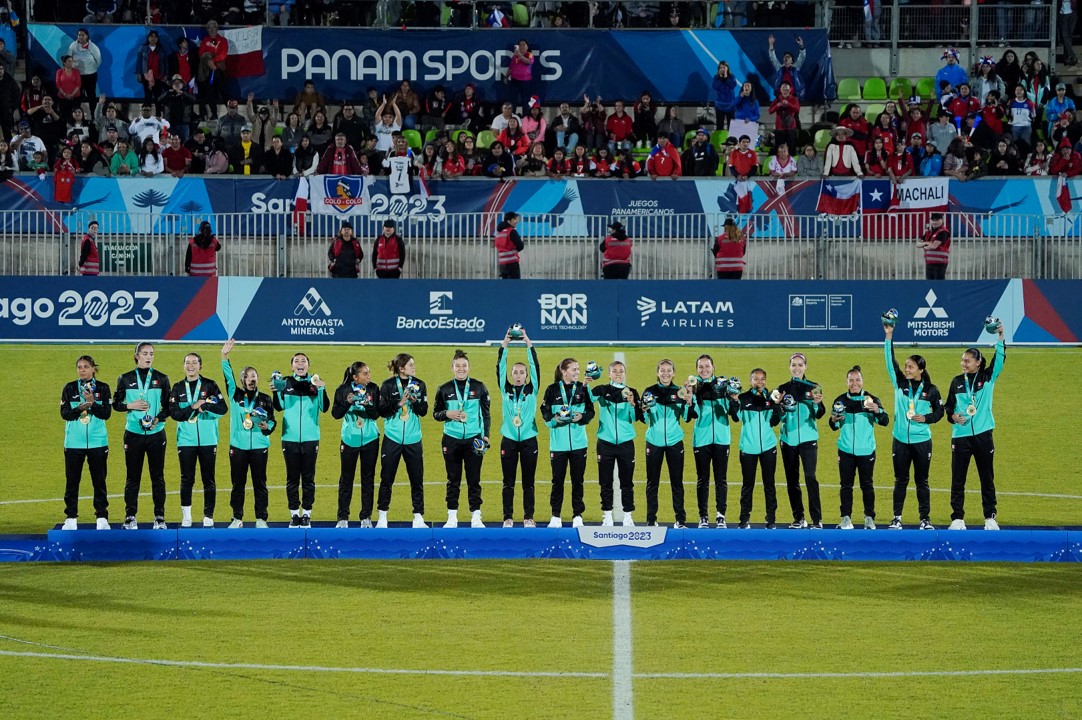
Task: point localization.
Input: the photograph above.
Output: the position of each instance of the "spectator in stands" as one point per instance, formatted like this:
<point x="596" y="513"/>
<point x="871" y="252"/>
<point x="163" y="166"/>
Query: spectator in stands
<point x="177" y="106"/>
<point x="308" y="101"/>
<point x="278" y="12"/>
<point x="1066" y="20"/>
<point x="350" y="124"/>
<point x="673" y="126"/>
<point x="1008" y="69"/>
<point x="992" y="116"/>
<point x="952" y="73"/>
<point x="700" y="159"/>
<point x="87" y="158"/>
<point x="876" y="159"/>
<point x="211" y="74"/>
<point x="664" y="160"/>
<point x="321" y="132"/>
<point x="955" y="163"/>
<point x="472" y="157"/>
<point x="788" y="70"/>
<point x="150" y="159"/>
<point x="368" y="150"/>
<point x="32" y="95"/>
<point x="278" y="162"/>
<point x="87" y="58"/>
<point x="644" y="124"/>
<point x="593" y="119"/>
<point x="435" y="109"/>
<point x="782" y="165"/>
<point x="978" y="165"/>
<point x="565" y="129"/>
<point x="915" y="124"/>
<point x="184" y="62"/>
<point x="1056" y="106"/>
<point x="100" y="11"/>
<point x="581" y="166"/>
<point x="9" y="103"/>
<point x="626" y="166"/>
<point x="218" y="158"/>
<point x="1037" y="162"/>
<point x="408" y="104"/>
<point x="79" y="125"/>
<point x="246" y="157"/>
<point x="147" y="126"/>
<point x="900" y="166"/>
<point x="264" y="121"/>
<point x="1066" y="128"/>
<point x="808" y="165"/>
<point x="931" y="165"/>
<point x="105" y="117"/>
<point x="514" y="138"/>
<point x="453" y="165"/>
<point x="520" y="74"/>
<point x="942" y="131"/>
<point x="500" y="163"/>
<point x="465" y="111"/>
<point x="534" y="124"/>
<point x="150" y="67"/>
<point x="292" y="132"/>
<point x="7" y="58"/>
<point x="390" y="122"/>
<point x="124" y="161"/>
<point x="1022" y="115"/>
<point x="38" y="163"/>
<point x="230" y="124"/>
<point x="1038" y="83"/>
<point x="69" y="86"/>
<point x="9" y="162"/>
<point x="558" y="166"/>
<point x="1066" y="163"/>
<point x="1002" y="161"/>
<point x="176" y="158"/>
<point x="199" y="148"/>
<point x="886" y="131"/>
<point x="724" y="87"/>
<point x="963" y="103"/>
<point x="853" y="118"/>
<point x="534" y="164"/>
<point x="305" y="158"/>
<point x="786" y="109"/>
<point x="601" y="164"/>
<point x="743" y="161"/>
<point x="987" y="80"/>
<point x="840" y="158"/>
<point x="620" y="128"/>
<point x="499" y="123"/>
<point x="746" y="115"/>
<point x="48" y="125"/>
<point x="340" y="159"/>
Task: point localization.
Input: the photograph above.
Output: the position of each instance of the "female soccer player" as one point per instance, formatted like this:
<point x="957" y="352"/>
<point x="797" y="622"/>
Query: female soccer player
<point x="710" y="441"/>
<point x="403" y="401"/>
<point x="84" y="406"/>
<point x="300" y="398"/>
<point x="617" y="411"/>
<point x="197" y="404"/>
<point x="519" y="429"/>
<point x="664" y="407"/>
<point x="800" y="440"/>
<point x="462" y="405"/>
<point x="917" y="406"/>
<point x="969" y="410"/>
<point x="757" y="414"/>
<point x="251" y="423"/>
<point x="855" y="413"/>
<point x="567" y="409"/>
<point x="356" y="404"/>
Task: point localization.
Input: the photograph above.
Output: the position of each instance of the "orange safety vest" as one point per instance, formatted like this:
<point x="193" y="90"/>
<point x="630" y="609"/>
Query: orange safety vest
<point x="387" y="255"/>
<point x="92" y="265"/>
<point x="617" y="252"/>
<point x="940" y="255"/>
<point x="730" y="257"/>
<point x="204" y="260"/>
<point x="506" y="253"/>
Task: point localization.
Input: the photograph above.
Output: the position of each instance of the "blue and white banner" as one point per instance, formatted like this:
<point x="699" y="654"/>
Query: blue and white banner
<point x="701" y="312"/>
<point x="343" y="62"/>
<point x="340" y="195"/>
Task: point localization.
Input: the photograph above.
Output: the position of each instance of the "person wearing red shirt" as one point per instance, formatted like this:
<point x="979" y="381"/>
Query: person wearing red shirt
<point x="339" y="159"/>
<point x="840" y="158"/>
<point x="210" y="76"/>
<point x="876" y="159"/>
<point x="900" y="165"/>
<point x="1066" y="161"/>
<point x="514" y="138"/>
<point x="620" y="128"/>
<point x="743" y="161"/>
<point x="854" y="119"/>
<point x="786" y="109"/>
<point x="884" y="129"/>
<point x="602" y="164"/>
<point x="176" y="157"/>
<point x="69" y="87"/>
<point x="915" y="123"/>
<point x="558" y="167"/>
<point x="992" y="113"/>
<point x="454" y="165"/>
<point x="963" y="104"/>
<point x="664" y="160"/>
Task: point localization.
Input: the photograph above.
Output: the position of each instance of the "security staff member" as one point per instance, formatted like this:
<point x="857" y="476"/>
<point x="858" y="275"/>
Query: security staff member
<point x="462" y="405"/>
<point x="800" y="440"/>
<point x="969" y="410"/>
<point x="89" y="257"/>
<point x="710" y="441"/>
<point x="670" y="406"/>
<point x="300" y="399"/>
<point x="757" y="414"/>
<point x="616" y="253"/>
<point x="936" y="244"/>
<point x="356" y="404"/>
<point x="388" y="252"/>
<point x="917" y="406"/>
<point x="617" y="411"/>
<point x="251" y="424"/>
<point x="518" y="432"/>
<point x="196" y="404"/>
<point x="143" y="394"/>
<point x="854" y="415"/>
<point x="567" y="409"/>
<point x="508" y="245"/>
<point x="84" y="407"/>
<point x="403" y="401"/>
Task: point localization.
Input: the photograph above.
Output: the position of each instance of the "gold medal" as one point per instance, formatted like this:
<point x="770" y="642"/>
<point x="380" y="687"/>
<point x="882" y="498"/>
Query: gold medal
<point x="910" y="414"/>
<point x="971" y="410"/>
<point x="405" y="412"/>
<point x="85" y="418"/>
<point x="360" y="422"/>
<point x="682" y="394"/>
<point x="516" y="421"/>
<point x="247" y="424"/>
<point x="627" y="394"/>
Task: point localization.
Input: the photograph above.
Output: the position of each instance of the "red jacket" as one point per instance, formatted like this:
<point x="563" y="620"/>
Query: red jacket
<point x="743" y="162"/>
<point x="517" y="145"/>
<point x="664" y="162"/>
<point x="339" y="161"/>
<point x="861" y="133"/>
<point x="787" y="113"/>
<point x="899" y="165"/>
<point x="620" y="128"/>
<point x="90" y="263"/>
<point x="217" y="48"/>
<point x="1070" y="166"/>
<point x="389" y="255"/>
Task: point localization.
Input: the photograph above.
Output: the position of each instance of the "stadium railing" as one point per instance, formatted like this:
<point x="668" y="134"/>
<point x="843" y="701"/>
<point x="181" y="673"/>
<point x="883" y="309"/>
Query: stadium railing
<point x="559" y="246"/>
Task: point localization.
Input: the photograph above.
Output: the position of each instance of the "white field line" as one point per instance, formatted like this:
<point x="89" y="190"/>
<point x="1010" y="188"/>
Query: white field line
<point x="853" y="675"/>
<point x="623" y="707"/>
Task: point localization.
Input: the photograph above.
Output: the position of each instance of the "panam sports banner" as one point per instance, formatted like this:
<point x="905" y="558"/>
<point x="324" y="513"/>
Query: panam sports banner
<point x="673" y="65"/>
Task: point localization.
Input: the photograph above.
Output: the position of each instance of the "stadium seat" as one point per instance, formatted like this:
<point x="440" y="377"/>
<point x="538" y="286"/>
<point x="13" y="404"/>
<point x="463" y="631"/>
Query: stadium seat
<point x="822" y="139"/>
<point x="413" y="138"/>
<point x="430" y="136"/>
<point x="926" y="87"/>
<point x="764" y="167"/>
<point x="875" y="89"/>
<point x="723" y="169"/>
<point x="900" y="88"/>
<point x="445" y="15"/>
<point x="873" y="110"/>
<point x="849" y="89"/>
<point x="485" y="138"/>
<point x="520" y="15"/>
<point x="718" y="137"/>
<point x="688" y="137"/>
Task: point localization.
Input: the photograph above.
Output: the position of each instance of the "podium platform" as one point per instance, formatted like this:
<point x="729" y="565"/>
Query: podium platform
<point x="592" y="542"/>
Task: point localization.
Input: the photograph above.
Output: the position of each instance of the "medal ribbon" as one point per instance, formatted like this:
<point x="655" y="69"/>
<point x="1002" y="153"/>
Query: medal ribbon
<point x="914" y="394"/>
<point x="517" y="398"/>
<point x="402" y="393"/>
<point x="563" y="395"/>
<point x="969" y="389"/>
<point x="188" y="390"/>
<point x="461" y="397"/>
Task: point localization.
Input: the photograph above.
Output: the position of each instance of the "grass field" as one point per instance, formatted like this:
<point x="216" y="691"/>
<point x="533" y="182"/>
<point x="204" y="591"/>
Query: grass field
<point x="540" y="640"/>
<point x="1037" y="409"/>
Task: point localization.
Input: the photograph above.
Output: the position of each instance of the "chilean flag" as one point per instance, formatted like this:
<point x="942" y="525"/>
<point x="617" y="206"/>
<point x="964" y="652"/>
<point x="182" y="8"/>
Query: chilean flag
<point x="901" y="211"/>
<point x="1063" y="194"/>
<point x="839" y="198"/>
<point x="300" y="206"/>
<point x="743" y="196"/>
<point x="245" y="58"/>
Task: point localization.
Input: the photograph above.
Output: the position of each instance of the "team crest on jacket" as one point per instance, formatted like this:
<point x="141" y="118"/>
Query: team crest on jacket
<point x="343" y="192"/>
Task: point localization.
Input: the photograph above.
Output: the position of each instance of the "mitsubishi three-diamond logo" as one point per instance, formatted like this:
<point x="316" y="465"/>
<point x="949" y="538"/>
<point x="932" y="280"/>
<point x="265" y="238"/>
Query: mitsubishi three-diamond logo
<point x="937" y="312"/>
<point x="646" y="308"/>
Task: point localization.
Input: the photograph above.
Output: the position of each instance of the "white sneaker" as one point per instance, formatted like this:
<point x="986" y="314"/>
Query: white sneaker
<point x="261" y="524"/>
<point x="475" y="519"/>
<point x="419" y="521"/>
<point x="452" y="519"/>
<point x="381" y="522"/>
<point x="958" y="524"/>
<point x="628" y="520"/>
<point x="846" y="523"/>
<point x="869" y="522"/>
<point x="606" y="518"/>
<point x="720" y="522"/>
<point x="208" y="522"/>
<point x="366" y="524"/>
<point x="556" y="522"/>
<point x="342" y="524"/>
<point x="186" y="516"/>
<point x="236" y="524"/>
<point x="70" y="524"/>
<point x="508" y="523"/>
<point x="103" y="524"/>
<point x="130" y="523"/>
<point x="990" y="523"/>
<point x="576" y="521"/>
<point x="159" y="524"/>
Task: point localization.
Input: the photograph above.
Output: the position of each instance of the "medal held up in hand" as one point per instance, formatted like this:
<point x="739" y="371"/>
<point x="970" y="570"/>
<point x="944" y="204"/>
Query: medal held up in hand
<point x="890" y="318"/>
<point x="839" y="408"/>
<point x="516" y="332"/>
<point x="593" y="370"/>
<point x="991" y="324"/>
